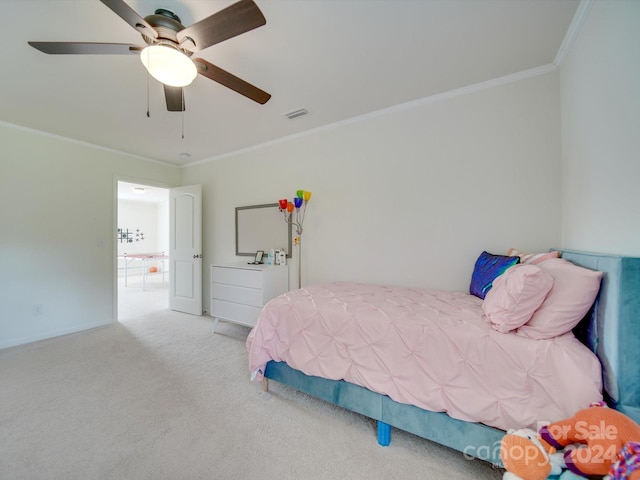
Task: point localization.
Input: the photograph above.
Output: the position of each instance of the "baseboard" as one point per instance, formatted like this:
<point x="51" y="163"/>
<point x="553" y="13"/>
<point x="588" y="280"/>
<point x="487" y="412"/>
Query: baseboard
<point x="47" y="335"/>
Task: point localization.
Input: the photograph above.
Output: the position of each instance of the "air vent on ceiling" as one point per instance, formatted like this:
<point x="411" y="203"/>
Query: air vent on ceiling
<point x="296" y="113"/>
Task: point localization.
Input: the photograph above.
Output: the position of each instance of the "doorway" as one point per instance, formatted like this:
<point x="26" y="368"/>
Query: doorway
<point x="142" y="238"/>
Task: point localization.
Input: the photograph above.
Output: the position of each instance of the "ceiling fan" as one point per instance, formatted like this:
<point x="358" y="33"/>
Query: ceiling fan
<point x="170" y="46"/>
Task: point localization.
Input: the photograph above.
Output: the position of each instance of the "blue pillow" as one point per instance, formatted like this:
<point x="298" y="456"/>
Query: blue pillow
<point x="488" y="267"/>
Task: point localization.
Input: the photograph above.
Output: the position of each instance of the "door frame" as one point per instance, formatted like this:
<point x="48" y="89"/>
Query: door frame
<point x="114" y="229"/>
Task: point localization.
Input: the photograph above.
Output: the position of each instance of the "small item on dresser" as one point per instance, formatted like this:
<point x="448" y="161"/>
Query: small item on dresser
<point x="276" y="257"/>
<point x="258" y="259"/>
<point x="271" y="257"/>
<point x="283" y="257"/>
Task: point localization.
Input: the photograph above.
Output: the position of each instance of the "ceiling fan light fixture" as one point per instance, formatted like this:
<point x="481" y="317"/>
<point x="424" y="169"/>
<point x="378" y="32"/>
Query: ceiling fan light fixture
<point x="168" y="65"/>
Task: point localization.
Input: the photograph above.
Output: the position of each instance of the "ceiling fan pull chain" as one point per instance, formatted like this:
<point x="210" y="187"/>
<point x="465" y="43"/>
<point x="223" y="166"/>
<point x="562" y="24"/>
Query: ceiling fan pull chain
<point x="183" y="114"/>
<point x="148" y="115"/>
<point x="148" y="75"/>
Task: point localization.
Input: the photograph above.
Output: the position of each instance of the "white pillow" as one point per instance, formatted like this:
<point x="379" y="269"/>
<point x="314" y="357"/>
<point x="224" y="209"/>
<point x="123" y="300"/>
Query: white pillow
<point x="515" y="296"/>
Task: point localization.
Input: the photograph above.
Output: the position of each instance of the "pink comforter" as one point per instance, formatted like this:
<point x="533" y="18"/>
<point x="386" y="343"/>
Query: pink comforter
<point x="432" y="349"/>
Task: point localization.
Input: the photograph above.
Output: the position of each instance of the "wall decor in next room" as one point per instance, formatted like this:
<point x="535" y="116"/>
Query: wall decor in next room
<point x="125" y="235"/>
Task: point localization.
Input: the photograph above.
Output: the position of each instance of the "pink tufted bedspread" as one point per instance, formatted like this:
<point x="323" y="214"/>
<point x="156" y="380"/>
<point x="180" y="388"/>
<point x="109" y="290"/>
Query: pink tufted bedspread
<point x="428" y="348"/>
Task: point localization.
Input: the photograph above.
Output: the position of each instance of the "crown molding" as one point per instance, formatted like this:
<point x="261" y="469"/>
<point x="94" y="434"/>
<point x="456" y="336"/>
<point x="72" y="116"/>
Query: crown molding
<point x="477" y="87"/>
<point x="62" y="138"/>
<point x="572" y="32"/>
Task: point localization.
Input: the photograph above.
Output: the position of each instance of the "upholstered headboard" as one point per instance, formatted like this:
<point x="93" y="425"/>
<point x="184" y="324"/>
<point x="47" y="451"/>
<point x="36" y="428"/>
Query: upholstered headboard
<point x="612" y="328"/>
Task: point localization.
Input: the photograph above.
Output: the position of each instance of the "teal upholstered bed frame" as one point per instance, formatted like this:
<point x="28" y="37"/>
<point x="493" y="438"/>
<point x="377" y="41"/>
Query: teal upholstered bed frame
<point x="611" y="330"/>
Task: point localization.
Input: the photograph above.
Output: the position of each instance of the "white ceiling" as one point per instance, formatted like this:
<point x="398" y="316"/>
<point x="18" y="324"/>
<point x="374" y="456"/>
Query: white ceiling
<point x="138" y="192"/>
<point x="339" y="59"/>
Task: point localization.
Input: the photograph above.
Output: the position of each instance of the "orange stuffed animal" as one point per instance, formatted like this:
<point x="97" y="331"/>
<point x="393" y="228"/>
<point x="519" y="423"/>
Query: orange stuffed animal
<point x="601" y="433"/>
<point x="526" y="456"/>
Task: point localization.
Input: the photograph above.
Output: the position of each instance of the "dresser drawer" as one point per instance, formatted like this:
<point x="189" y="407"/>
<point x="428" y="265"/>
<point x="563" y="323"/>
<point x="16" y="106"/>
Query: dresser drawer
<point x="244" y="314"/>
<point x="237" y="276"/>
<point x="238" y="292"/>
<point x="235" y="294"/>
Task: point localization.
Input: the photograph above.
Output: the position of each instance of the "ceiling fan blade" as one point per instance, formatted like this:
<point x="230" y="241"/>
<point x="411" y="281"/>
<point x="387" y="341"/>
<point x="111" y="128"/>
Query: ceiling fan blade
<point x="130" y="16"/>
<point x="229" y="80"/>
<point x="175" y="98"/>
<point x="84" y="48"/>
<point x="233" y="20"/>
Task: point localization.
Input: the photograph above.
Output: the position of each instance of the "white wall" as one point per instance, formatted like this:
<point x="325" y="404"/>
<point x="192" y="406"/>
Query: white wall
<point x="410" y="196"/>
<point x="600" y="91"/>
<point x="134" y="216"/>
<point x="57" y="241"/>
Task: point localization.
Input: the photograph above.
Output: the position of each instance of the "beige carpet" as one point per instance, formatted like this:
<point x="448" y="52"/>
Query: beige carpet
<point x="134" y="302"/>
<point x="162" y="397"/>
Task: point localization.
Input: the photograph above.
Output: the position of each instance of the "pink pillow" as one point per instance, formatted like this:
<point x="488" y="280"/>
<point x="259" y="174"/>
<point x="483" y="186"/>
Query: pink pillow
<point x="574" y="291"/>
<point x="533" y="258"/>
<point x="515" y="296"/>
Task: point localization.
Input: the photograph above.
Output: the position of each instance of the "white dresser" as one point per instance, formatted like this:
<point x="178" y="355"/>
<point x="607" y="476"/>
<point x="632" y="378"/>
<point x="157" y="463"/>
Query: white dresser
<point x="239" y="291"/>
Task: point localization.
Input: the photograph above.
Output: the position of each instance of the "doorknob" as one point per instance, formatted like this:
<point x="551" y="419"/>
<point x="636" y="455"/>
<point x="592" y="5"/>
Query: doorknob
<point x="197" y="256"/>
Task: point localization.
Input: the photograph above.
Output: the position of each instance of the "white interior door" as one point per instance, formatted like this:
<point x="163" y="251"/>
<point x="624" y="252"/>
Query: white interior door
<point x="185" y="249"/>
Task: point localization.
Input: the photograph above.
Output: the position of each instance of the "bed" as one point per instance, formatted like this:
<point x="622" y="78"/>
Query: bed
<point x="592" y="355"/>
